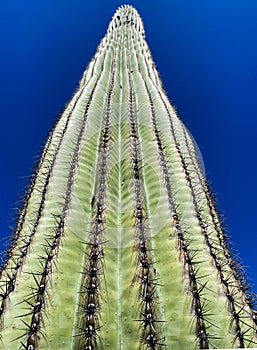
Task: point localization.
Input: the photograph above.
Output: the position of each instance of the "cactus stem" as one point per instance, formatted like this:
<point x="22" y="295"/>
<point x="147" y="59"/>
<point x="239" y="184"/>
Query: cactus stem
<point x="119" y="243"/>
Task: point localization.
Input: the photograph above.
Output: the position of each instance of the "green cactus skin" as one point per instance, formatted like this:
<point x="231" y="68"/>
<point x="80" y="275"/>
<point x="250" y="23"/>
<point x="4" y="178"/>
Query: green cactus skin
<point x="118" y="244"/>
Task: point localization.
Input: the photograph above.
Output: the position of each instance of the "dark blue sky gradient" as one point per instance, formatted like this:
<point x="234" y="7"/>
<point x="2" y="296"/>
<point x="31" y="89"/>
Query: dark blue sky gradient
<point x="206" y="53"/>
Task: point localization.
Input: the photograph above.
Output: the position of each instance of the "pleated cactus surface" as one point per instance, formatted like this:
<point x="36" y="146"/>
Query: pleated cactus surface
<point x="118" y="244"/>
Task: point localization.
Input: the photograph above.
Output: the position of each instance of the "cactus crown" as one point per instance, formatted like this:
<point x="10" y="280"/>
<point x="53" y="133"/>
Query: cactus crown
<point x="118" y="244"/>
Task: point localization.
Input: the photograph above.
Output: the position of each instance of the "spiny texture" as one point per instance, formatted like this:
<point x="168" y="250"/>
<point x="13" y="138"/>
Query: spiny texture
<point x="118" y="244"/>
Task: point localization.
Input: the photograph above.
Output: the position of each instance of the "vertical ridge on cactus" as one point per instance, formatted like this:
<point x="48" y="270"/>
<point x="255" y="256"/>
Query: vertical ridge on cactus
<point x="118" y="244"/>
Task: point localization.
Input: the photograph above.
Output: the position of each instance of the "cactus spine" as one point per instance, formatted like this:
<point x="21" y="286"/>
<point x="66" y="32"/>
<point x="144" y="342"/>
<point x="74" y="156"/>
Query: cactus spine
<point x="118" y="244"/>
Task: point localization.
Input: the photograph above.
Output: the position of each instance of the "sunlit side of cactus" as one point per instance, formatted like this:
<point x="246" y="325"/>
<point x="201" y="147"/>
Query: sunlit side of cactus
<point x="118" y="244"/>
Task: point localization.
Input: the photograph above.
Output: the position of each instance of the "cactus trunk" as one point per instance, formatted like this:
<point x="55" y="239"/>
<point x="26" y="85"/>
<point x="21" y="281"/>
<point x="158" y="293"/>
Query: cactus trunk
<point x="118" y="244"/>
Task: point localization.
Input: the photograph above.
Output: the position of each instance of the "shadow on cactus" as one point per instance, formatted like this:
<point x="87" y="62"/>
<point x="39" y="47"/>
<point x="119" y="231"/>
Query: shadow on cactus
<point x="118" y="244"/>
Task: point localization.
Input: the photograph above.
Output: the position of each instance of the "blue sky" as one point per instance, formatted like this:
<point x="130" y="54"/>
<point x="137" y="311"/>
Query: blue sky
<point x="206" y="54"/>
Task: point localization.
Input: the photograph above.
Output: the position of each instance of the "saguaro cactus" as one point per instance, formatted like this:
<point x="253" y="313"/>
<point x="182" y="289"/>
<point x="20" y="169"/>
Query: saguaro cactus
<point x="118" y="244"/>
